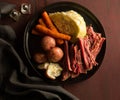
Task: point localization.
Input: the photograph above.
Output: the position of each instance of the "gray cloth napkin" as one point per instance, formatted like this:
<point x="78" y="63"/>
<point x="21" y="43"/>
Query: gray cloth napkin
<point x="16" y="84"/>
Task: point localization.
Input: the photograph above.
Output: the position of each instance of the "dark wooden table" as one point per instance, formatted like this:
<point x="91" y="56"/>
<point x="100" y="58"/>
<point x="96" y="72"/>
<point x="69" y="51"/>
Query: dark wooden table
<point x="105" y="83"/>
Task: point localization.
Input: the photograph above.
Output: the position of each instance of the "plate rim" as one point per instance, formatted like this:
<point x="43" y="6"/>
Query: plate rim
<point x="45" y="8"/>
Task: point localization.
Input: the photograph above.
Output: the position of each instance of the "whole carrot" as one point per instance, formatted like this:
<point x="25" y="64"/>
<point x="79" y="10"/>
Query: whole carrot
<point x="54" y="34"/>
<point x="58" y="41"/>
<point x="35" y="32"/>
<point x="50" y="25"/>
<point x="41" y="22"/>
<point x="48" y="21"/>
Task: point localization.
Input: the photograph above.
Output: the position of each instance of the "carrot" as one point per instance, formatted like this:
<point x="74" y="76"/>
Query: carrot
<point x="34" y="32"/>
<point x="48" y="21"/>
<point x="41" y="22"/>
<point x="54" y="34"/>
<point x="58" y="41"/>
<point x="50" y="25"/>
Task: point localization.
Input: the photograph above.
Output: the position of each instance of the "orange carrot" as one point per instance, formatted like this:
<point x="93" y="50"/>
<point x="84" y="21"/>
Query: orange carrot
<point x="48" y="21"/>
<point x="35" y="32"/>
<point x="50" y="25"/>
<point x="54" y="34"/>
<point x="58" y="41"/>
<point x="41" y="22"/>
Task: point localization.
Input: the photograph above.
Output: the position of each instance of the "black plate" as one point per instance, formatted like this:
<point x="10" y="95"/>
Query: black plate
<point x="30" y="40"/>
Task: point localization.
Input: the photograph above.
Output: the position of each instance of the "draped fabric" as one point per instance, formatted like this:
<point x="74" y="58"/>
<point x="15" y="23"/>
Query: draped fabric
<point x="16" y="84"/>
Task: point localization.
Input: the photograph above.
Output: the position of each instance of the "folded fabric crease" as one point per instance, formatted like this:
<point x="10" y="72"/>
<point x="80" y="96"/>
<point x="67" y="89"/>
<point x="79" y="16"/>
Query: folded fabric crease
<point x="16" y="84"/>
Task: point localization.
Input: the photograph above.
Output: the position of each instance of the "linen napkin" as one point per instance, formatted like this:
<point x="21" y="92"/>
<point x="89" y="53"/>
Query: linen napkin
<point x="15" y="82"/>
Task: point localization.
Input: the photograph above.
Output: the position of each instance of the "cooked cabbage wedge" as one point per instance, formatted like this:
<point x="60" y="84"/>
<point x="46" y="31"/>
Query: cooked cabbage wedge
<point x="69" y="22"/>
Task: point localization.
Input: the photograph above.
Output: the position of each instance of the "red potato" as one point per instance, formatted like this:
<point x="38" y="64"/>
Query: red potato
<point x="55" y="54"/>
<point x="48" y="42"/>
<point x="40" y="57"/>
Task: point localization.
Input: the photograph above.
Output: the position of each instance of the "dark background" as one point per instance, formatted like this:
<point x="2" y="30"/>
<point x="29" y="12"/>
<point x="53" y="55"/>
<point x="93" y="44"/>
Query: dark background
<point x="105" y="83"/>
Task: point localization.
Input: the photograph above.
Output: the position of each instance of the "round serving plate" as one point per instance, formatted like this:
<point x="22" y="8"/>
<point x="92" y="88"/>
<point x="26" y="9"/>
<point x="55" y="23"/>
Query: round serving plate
<point x="30" y="41"/>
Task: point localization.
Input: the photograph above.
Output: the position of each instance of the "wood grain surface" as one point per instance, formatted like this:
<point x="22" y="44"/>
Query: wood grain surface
<point x="105" y="83"/>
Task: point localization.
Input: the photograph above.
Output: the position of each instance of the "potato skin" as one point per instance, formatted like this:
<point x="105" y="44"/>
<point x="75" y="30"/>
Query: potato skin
<point x="55" y="54"/>
<point x="48" y="42"/>
<point x="40" y="57"/>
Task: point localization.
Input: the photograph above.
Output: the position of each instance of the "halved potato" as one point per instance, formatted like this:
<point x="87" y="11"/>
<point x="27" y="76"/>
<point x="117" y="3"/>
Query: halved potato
<point x="54" y="70"/>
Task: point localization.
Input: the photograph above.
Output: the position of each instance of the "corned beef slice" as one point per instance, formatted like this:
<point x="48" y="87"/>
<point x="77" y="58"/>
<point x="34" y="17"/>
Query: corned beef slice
<point x="81" y="56"/>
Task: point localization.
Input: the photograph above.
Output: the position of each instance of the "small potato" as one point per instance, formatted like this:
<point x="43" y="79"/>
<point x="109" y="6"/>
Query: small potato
<point x="53" y="71"/>
<point x="48" y="42"/>
<point x="55" y="54"/>
<point x="40" y="57"/>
